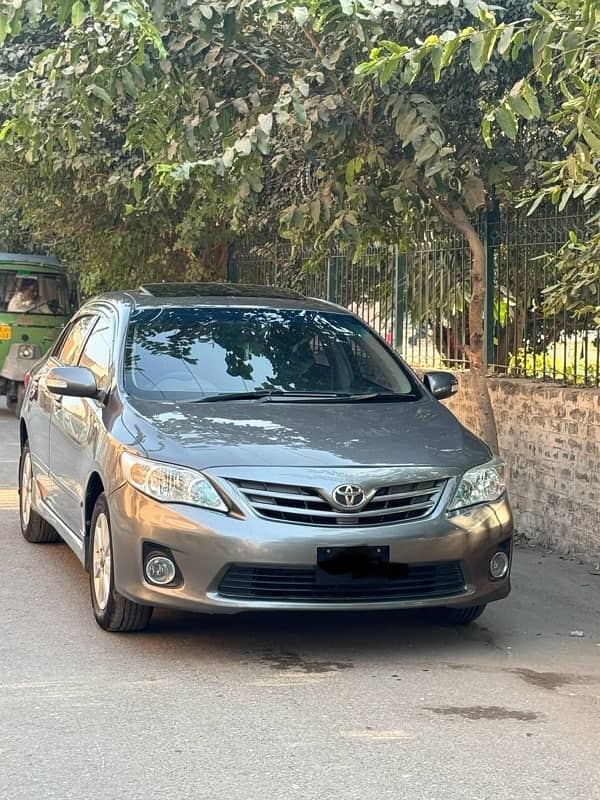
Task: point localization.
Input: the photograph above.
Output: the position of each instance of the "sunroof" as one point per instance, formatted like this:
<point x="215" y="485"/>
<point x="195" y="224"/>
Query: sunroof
<point x="217" y="290"/>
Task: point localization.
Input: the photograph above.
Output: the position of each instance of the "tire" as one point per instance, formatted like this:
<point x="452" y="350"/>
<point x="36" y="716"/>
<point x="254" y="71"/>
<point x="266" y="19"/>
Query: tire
<point x="11" y="400"/>
<point x="20" y="399"/>
<point x="457" y="615"/>
<point x="112" y="611"/>
<point x="35" y="529"/>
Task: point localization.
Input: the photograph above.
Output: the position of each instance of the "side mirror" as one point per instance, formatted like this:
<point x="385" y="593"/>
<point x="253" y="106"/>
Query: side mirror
<point x="72" y="382"/>
<point x="441" y="384"/>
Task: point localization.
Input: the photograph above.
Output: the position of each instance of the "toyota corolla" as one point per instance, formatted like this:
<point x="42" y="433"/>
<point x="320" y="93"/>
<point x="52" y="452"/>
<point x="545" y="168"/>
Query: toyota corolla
<point x="223" y="448"/>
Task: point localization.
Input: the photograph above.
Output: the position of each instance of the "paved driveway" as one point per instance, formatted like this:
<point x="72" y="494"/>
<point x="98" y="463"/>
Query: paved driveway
<point x="348" y="706"/>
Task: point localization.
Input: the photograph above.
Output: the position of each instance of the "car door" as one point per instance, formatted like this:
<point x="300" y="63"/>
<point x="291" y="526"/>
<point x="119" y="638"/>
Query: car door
<point x="71" y="425"/>
<point x="39" y="412"/>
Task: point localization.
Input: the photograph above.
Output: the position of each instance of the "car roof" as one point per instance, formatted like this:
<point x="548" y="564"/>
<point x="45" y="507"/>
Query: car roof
<point x="189" y="295"/>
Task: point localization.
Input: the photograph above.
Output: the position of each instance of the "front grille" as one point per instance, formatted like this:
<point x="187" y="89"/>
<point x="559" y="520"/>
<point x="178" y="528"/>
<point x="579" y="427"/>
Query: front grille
<point x="305" y="505"/>
<point x="299" y="585"/>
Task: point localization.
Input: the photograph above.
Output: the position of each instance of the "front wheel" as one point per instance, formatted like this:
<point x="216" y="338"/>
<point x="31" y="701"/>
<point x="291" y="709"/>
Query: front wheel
<point x="457" y="615"/>
<point x="112" y="611"/>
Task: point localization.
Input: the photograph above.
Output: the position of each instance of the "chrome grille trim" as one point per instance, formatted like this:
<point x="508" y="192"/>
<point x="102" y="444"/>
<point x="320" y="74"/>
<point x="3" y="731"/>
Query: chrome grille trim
<point x="309" y="505"/>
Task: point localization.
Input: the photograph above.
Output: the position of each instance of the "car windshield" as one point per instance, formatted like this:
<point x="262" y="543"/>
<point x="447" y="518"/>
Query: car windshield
<point x="29" y="292"/>
<point x="195" y="353"/>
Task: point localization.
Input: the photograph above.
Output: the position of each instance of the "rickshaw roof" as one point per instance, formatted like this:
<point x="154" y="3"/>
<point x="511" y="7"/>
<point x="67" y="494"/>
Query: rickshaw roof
<point x="24" y="260"/>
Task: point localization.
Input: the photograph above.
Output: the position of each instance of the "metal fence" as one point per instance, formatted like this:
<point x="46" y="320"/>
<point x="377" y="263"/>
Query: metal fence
<point x="419" y="300"/>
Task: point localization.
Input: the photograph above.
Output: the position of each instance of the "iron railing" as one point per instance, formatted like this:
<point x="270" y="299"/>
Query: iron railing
<point x="418" y="300"/>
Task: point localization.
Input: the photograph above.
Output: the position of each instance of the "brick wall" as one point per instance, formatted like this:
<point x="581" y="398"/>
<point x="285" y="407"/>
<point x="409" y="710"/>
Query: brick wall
<point x="550" y="437"/>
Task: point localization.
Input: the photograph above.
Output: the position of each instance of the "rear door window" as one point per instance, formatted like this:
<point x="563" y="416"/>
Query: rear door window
<point x="97" y="352"/>
<point x="69" y="347"/>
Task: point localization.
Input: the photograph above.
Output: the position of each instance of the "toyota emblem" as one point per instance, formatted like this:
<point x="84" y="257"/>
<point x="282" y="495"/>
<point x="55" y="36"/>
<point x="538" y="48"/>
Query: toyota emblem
<point x="348" y="496"/>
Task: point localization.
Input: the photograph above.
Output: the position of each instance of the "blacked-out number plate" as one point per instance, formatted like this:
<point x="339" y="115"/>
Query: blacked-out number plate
<point x="368" y="564"/>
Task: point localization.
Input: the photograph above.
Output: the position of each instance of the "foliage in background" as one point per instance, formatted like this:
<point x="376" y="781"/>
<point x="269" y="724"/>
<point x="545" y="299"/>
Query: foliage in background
<point x="560" y="87"/>
<point x="142" y="139"/>
<point x="158" y="131"/>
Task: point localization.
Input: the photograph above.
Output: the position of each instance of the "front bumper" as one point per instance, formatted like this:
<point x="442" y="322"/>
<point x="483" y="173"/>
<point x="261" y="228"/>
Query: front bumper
<point x="206" y="544"/>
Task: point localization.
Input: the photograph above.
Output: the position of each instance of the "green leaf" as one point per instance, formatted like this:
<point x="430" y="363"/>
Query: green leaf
<point x="543" y="12"/>
<point x="519" y="106"/>
<point x="301" y="15"/>
<point x="265" y="123"/>
<point x="101" y="94"/>
<point x="244" y="146"/>
<point x="255" y="183"/>
<point x="489" y="40"/>
<point x="349" y="176"/>
<point x="565" y="199"/>
<point x="241" y="105"/>
<point x="536" y="203"/>
<point x="540" y="40"/>
<point x="367" y="67"/>
<point x="392" y="47"/>
<point x="507" y="122"/>
<point x="474" y="192"/>
<point x="486" y="131"/>
<point x="389" y="68"/>
<point x="299" y="111"/>
<point x="517" y="44"/>
<point x="315" y="210"/>
<point x="448" y="51"/>
<point x="530" y="98"/>
<point x="592" y="140"/>
<point x="78" y="13"/>
<point x="476" y="51"/>
<point x="436" y="61"/>
<point x="505" y="40"/>
<point x="425" y="152"/>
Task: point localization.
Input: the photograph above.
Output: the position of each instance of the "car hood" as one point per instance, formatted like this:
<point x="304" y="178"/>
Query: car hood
<point x="281" y="434"/>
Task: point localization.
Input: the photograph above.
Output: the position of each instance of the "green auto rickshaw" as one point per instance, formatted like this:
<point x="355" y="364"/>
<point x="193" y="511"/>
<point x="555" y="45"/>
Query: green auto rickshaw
<point x="36" y="299"/>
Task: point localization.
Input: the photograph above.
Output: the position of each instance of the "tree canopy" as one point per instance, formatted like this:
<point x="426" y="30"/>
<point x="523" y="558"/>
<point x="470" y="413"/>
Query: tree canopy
<point x="138" y="135"/>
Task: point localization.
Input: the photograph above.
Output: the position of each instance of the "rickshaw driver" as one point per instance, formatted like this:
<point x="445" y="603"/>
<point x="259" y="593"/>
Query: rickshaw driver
<point x="27" y="298"/>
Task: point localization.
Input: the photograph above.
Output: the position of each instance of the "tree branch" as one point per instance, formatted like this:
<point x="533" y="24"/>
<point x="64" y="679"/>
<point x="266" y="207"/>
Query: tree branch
<point x="250" y="61"/>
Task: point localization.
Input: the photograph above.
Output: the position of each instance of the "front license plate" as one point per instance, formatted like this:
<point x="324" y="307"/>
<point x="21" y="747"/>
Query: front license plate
<point x="336" y="565"/>
<point x="5" y="333"/>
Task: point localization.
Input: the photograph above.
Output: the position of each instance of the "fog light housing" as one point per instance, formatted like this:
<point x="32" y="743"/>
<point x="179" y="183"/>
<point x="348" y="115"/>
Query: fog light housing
<point x="160" y="570"/>
<point x="499" y="564"/>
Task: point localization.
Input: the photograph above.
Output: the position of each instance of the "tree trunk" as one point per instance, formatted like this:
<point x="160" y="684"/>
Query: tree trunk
<point x="477" y="343"/>
<point x="477" y="346"/>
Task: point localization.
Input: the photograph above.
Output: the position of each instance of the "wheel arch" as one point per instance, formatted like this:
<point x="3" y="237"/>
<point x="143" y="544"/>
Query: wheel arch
<point x="23" y="434"/>
<point x="94" y="489"/>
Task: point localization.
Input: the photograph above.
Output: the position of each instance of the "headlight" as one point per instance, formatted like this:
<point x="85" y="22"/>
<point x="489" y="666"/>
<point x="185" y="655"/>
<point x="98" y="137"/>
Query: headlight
<point x="171" y="484"/>
<point x="484" y="484"/>
<point x="26" y="351"/>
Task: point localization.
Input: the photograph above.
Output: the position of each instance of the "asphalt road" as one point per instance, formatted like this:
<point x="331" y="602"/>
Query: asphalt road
<point x="348" y="706"/>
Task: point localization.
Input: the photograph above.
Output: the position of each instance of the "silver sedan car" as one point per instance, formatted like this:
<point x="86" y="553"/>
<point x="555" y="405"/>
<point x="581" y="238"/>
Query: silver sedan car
<point x="222" y="448"/>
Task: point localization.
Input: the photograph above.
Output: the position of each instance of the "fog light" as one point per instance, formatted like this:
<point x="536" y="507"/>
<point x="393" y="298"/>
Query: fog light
<point x="499" y="565"/>
<point x="160" y="570"/>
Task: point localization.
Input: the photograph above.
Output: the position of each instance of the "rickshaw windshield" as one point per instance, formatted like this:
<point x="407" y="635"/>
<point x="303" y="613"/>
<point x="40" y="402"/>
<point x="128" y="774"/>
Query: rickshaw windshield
<point x="26" y="292"/>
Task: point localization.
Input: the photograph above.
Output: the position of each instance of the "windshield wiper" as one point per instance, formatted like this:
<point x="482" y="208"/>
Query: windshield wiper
<point x="382" y="397"/>
<point x="265" y="394"/>
<point x="291" y="396"/>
